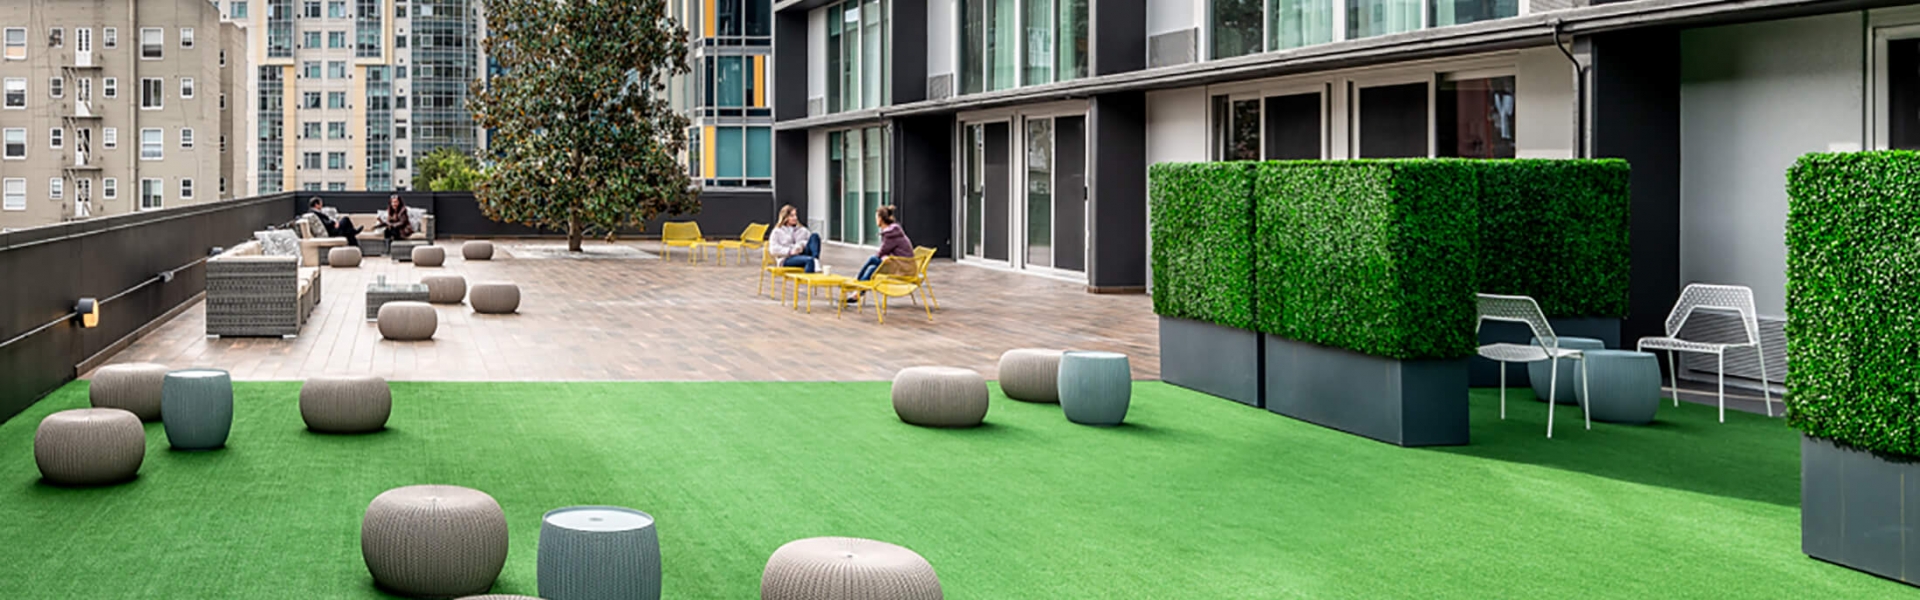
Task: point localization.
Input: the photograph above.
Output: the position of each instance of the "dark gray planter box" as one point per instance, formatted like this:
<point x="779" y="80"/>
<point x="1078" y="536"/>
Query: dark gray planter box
<point x="1486" y="373"/>
<point x="1859" y="509"/>
<point x="1212" y="359"/>
<point x="1409" y="403"/>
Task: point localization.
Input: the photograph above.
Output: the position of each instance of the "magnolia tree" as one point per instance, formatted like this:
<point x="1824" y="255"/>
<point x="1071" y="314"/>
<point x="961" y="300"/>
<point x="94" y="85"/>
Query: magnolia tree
<point x="584" y="138"/>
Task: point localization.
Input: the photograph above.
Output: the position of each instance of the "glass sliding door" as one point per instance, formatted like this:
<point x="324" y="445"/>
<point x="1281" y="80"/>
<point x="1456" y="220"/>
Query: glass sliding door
<point x="1474" y="118"/>
<point x="1029" y="214"/>
<point x="1070" y="193"/>
<point x="873" y="184"/>
<point x="998" y="185"/>
<point x="857" y="184"/>
<point x="852" y="223"/>
<point x="973" y="190"/>
<point x="836" y="185"/>
<point x="1039" y="200"/>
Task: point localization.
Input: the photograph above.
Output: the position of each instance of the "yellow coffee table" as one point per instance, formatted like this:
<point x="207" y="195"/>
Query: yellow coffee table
<point x="810" y="280"/>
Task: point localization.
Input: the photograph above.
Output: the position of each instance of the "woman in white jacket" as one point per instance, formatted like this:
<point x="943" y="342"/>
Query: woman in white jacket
<point x="792" y="244"/>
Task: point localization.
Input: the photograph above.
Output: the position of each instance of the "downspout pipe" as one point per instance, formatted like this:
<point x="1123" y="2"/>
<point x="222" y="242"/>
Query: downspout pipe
<point x="1579" y="93"/>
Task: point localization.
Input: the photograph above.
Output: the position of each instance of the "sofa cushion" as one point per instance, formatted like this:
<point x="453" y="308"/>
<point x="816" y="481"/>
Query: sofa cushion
<point x="279" y="242"/>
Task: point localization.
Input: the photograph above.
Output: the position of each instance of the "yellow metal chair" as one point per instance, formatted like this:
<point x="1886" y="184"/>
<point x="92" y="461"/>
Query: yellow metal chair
<point x="682" y="234"/>
<point x="888" y="286"/>
<point x="772" y="271"/>
<point x="922" y="257"/>
<point x="754" y="237"/>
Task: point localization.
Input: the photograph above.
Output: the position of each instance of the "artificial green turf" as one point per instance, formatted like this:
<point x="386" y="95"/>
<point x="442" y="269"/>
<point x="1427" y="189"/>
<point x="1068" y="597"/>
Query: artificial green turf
<point x="1195" y="498"/>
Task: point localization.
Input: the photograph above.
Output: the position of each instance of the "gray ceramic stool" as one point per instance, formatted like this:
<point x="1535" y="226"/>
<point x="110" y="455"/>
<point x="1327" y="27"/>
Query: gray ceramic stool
<point x="133" y="387"/>
<point x="940" y="396"/>
<point x="408" y="321"/>
<point x="1625" y="386"/>
<point x="477" y="250"/>
<point x="196" y="405"/>
<point x="434" y="540"/>
<point x="343" y="257"/>
<point x="494" y="298"/>
<point x="1568" y="390"/>
<point x="429" y="256"/>
<point x="1095" y="387"/>
<point x="599" y="553"/>
<point x="346" y="404"/>
<point x="89" y="446"/>
<point x="445" y="289"/>
<point x="837" y="568"/>
<point x="1031" y="374"/>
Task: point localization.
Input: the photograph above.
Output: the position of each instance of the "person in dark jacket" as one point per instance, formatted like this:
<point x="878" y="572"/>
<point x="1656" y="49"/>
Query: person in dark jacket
<point x="343" y="228"/>
<point x="398" y="223"/>
<point x="893" y="242"/>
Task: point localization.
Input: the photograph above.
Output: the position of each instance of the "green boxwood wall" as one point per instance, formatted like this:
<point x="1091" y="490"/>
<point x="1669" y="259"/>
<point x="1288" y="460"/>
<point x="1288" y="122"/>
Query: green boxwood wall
<point x="1853" y="299"/>
<point x="1556" y="230"/>
<point x="1372" y="256"/>
<point x="1202" y="231"/>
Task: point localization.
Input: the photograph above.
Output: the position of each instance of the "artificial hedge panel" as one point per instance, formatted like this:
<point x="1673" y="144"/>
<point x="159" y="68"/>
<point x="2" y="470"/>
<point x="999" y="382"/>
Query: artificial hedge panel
<point x="1376" y="257"/>
<point x="1853" y="299"/>
<point x="1556" y="230"/>
<point x="1202" y="231"/>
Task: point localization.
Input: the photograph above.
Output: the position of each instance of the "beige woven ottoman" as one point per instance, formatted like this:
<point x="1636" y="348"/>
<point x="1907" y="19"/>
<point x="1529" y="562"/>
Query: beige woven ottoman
<point x="346" y="404"/>
<point x="940" y="396"/>
<point x="133" y="387"/>
<point x="1031" y="374"/>
<point x="89" y="446"/>
<point x="838" y="568"/>
<point x="477" y="250"/>
<point x="434" y="541"/>
<point x="445" y="289"/>
<point x="494" y="298"/>
<point x="343" y="257"/>
<point x="408" y="321"/>
<point x="429" y="256"/>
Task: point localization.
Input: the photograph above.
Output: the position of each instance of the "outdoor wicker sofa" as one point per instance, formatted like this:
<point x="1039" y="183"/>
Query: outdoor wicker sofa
<point x="249" y="294"/>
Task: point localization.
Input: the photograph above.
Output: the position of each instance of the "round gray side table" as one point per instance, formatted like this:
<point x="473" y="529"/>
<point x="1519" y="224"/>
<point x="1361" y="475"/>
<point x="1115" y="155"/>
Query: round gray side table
<point x="196" y="406"/>
<point x="1625" y="386"/>
<point x="1095" y="387"/>
<point x="599" y="552"/>
<point x="1568" y="390"/>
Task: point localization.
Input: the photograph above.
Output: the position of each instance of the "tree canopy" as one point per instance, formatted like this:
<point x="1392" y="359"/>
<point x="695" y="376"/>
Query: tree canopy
<point x="447" y="169"/>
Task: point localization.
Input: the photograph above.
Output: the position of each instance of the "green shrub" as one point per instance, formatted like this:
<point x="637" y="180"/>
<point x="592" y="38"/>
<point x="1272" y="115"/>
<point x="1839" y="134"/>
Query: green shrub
<point x="1202" y="233"/>
<point x="1556" y="230"/>
<point x="1853" y="299"/>
<point x="1376" y="257"/>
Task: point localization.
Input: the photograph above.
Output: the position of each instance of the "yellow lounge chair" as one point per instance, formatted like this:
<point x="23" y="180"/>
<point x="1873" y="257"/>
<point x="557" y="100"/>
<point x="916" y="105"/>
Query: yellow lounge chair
<point x="922" y="257"/>
<point x="754" y="237"/>
<point x="890" y="286"/>
<point x="771" y="270"/>
<point x="684" y="234"/>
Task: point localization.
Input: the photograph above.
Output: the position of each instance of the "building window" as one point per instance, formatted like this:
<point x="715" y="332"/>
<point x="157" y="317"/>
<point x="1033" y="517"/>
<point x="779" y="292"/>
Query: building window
<point x="336" y="186"/>
<point x="223" y="58"/>
<point x="153" y="143"/>
<point x="16" y="41"/>
<point x="110" y="87"/>
<point x="56" y="138"/>
<point x="56" y="188"/>
<point x="310" y="130"/>
<point x="223" y="147"/>
<point x="16" y="92"/>
<point x="223" y="100"/>
<point x="336" y="10"/>
<point x="186" y="88"/>
<point x="1459" y="12"/>
<point x="310" y="9"/>
<point x="152" y="93"/>
<point x="1368" y="18"/>
<point x="186" y="188"/>
<point x="186" y="137"/>
<point x="186" y="37"/>
<point x="336" y="130"/>
<point x="310" y="39"/>
<point x="310" y="100"/>
<point x="14" y="190"/>
<point x="310" y="160"/>
<point x="56" y="37"/>
<point x="336" y="69"/>
<point x="336" y="99"/>
<point x="237" y="9"/>
<point x="223" y="186"/>
<point x="152" y="43"/>
<point x="110" y="188"/>
<point x="336" y="39"/>
<point x="153" y="194"/>
<point x="15" y="140"/>
<point x="310" y="69"/>
<point x="857" y="183"/>
<point x="85" y="85"/>
<point x="312" y="186"/>
<point x="111" y="37"/>
<point x="399" y="162"/>
<point x="856" y="55"/>
<point x="110" y="138"/>
<point x="336" y="161"/>
<point x="56" y="87"/>
<point x="1473" y="118"/>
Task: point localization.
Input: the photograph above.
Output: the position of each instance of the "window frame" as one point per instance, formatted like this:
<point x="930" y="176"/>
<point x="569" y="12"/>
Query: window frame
<point x="159" y="46"/>
<point x="186" y="88"/>
<point x="56" y="188"/>
<point x="186" y="138"/>
<point x="110" y="38"/>
<point x="158" y="97"/>
<point x="110" y="87"/>
<point x="56" y="138"/>
<point x="110" y="138"/>
<point x="110" y="188"/>
<point x="8" y="196"/>
<point x="159" y="145"/>
<point x="7" y="86"/>
<point x="186" y="37"/>
<point x="56" y="87"/>
<point x="159" y="194"/>
<point x="5" y="148"/>
<point x="186" y="188"/>
<point x="6" y="35"/>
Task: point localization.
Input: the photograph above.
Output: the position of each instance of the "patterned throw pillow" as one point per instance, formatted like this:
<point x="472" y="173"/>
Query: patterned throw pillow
<point x="279" y="242"/>
<point x="417" y="218"/>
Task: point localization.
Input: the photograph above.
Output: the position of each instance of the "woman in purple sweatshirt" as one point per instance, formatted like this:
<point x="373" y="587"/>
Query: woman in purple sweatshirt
<point x="893" y="242"/>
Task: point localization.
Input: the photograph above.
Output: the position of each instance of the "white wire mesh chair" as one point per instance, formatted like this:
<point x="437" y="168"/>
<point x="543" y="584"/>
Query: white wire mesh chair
<point x="1735" y="298"/>
<point x="1522" y="309"/>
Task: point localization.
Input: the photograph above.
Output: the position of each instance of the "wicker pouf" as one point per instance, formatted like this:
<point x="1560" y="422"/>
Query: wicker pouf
<point x="477" y="250"/>
<point x="445" y="289"/>
<point x="599" y="553"/>
<point x="940" y="396"/>
<point x="343" y="257"/>
<point x="132" y="387"/>
<point x="1031" y="374"/>
<point x="408" y="321"/>
<point x="196" y="406"/>
<point x="434" y="540"/>
<point x="494" y="298"/>
<point x="836" y="568"/>
<point x="346" y="404"/>
<point x="1095" y="387"/>
<point x="429" y="256"/>
<point x="89" y="446"/>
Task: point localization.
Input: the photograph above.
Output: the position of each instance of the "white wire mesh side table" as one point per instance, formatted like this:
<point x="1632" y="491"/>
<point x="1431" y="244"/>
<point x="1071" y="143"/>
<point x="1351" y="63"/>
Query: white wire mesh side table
<point x="382" y="293"/>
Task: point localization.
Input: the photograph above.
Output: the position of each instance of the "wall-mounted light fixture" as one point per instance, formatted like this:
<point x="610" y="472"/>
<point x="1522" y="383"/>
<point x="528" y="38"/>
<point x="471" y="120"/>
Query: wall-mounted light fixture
<point x="88" y="310"/>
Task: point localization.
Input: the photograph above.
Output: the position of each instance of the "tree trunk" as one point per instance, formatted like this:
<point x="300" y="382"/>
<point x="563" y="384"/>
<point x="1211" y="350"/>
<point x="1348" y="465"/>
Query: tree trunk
<point x="574" y="234"/>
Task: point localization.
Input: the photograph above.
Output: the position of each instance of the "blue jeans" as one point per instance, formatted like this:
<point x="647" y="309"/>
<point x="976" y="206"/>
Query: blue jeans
<point x="873" y="264"/>
<point x="810" y="259"/>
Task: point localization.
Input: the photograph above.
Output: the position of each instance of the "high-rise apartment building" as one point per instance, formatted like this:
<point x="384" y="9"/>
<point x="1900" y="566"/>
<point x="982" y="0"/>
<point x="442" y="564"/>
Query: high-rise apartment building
<point x="728" y="94"/>
<point x="115" y="106"/>
<point x="350" y="91"/>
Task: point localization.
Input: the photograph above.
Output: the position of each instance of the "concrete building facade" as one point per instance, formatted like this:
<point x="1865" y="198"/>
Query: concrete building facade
<point x="117" y="106"/>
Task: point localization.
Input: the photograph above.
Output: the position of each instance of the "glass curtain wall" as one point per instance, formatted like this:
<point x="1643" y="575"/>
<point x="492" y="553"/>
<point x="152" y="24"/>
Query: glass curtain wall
<point x="857" y="56"/>
<point x="1458" y="12"/>
<point x="1368" y="18"/>
<point x="858" y="184"/>
<point x="1009" y="43"/>
<point x="1296" y="23"/>
<point x="1237" y="27"/>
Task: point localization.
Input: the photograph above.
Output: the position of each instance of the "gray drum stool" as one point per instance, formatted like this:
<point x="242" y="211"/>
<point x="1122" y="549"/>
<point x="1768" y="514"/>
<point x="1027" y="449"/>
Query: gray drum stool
<point x="940" y="396"/>
<point x="408" y="321"/>
<point x="838" y="568"/>
<point x="133" y="387"/>
<point x="196" y="406"/>
<point x="1539" y="373"/>
<point x="429" y="256"/>
<point x="599" y="553"/>
<point x="346" y="404"/>
<point x="343" y="257"/>
<point x="494" y="298"/>
<point x="477" y="250"/>
<point x="1031" y="374"/>
<point x="1095" y="387"/>
<point x="1625" y="386"/>
<point x="434" y="540"/>
<point x="445" y="289"/>
<point x="89" y="446"/>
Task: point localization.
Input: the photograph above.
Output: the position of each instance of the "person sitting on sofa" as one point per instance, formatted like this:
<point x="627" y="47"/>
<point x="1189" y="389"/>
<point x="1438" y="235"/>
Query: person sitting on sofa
<point x="399" y="224"/>
<point x="343" y="227"/>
